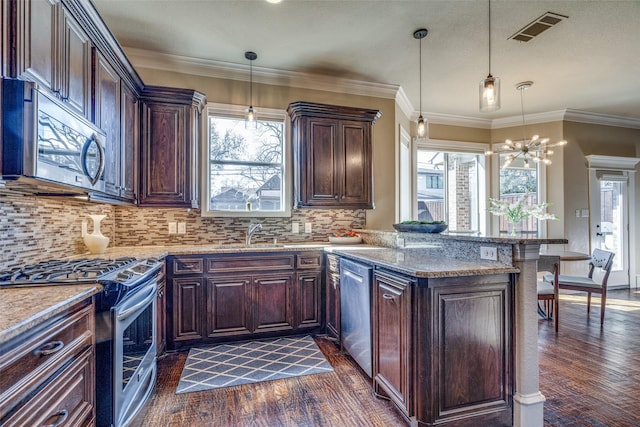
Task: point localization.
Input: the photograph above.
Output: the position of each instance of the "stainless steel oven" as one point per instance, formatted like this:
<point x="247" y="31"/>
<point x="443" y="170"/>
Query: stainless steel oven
<point x="126" y="355"/>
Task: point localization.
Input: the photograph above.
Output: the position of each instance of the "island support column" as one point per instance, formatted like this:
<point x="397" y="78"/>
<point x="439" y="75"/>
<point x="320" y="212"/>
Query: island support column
<point x="528" y="401"/>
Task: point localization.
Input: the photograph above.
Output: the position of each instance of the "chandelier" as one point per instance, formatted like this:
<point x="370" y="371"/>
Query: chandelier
<point x="422" y="125"/>
<point x="535" y="149"/>
<point x="251" y="112"/>
<point x="490" y="87"/>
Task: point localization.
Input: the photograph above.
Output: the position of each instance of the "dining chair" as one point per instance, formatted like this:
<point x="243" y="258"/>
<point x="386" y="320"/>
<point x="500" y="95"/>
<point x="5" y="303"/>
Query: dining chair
<point x="548" y="290"/>
<point x="600" y="259"/>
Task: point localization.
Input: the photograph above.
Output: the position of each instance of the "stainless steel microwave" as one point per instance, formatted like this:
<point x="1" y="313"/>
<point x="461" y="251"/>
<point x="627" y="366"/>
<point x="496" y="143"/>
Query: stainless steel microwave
<point x="46" y="144"/>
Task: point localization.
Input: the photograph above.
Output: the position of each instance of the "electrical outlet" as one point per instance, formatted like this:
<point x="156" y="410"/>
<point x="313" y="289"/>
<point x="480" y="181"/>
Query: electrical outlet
<point x="172" y="228"/>
<point x="307" y="227"/>
<point x="182" y="228"/>
<point x="295" y="227"/>
<point x="585" y="213"/>
<point x="489" y="253"/>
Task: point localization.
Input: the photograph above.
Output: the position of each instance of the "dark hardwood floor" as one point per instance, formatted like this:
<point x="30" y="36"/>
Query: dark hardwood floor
<point x="590" y="377"/>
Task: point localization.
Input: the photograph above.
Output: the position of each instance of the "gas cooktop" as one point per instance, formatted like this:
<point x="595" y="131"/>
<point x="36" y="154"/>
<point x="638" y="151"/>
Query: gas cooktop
<point x="125" y="271"/>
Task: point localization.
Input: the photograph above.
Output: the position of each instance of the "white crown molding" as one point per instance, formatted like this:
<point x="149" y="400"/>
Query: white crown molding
<point x="402" y="100"/>
<point x="453" y="120"/>
<point x="612" y="162"/>
<point x="601" y="119"/>
<point x="226" y="70"/>
<point x="530" y="119"/>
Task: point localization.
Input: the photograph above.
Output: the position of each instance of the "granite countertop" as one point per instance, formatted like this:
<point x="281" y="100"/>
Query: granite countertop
<point x="163" y="251"/>
<point x="424" y="262"/>
<point x="22" y="308"/>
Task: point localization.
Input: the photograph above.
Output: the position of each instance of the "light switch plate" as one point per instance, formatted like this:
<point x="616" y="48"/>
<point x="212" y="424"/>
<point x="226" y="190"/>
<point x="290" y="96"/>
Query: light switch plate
<point x="307" y="227"/>
<point x="295" y="227"/>
<point x="182" y="228"/>
<point x="172" y="227"/>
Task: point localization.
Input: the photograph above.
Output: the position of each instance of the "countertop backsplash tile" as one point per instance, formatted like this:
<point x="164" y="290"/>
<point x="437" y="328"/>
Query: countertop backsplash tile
<point x="34" y="228"/>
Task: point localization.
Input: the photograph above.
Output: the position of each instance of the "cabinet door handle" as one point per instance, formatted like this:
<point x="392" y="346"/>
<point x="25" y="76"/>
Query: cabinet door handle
<point x="49" y="348"/>
<point x="62" y="417"/>
<point x="388" y="296"/>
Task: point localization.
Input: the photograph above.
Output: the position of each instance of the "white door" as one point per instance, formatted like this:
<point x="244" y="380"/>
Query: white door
<point x="609" y="220"/>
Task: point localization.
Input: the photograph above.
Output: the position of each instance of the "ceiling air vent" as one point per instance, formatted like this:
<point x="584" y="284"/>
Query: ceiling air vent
<point x="537" y="26"/>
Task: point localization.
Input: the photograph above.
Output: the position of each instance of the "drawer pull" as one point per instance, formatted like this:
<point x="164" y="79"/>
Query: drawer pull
<point x="62" y="417"/>
<point x="49" y="348"/>
<point x="388" y="296"/>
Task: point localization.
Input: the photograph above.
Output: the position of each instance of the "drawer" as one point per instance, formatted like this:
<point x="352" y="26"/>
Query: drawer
<point x="245" y="263"/>
<point x="28" y="365"/>
<point x="309" y="260"/>
<point x="187" y="265"/>
<point x="66" y="401"/>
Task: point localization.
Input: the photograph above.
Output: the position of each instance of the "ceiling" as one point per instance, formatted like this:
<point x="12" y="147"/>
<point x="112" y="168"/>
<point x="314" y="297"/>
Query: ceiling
<point x="588" y="62"/>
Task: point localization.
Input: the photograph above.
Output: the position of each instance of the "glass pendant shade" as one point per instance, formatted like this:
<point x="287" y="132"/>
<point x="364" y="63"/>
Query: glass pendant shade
<point x="422" y="127"/>
<point x="490" y="94"/>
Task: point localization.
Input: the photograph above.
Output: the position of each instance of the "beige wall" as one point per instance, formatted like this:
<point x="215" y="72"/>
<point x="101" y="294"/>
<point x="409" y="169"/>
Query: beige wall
<point x="587" y="139"/>
<point x="279" y="97"/>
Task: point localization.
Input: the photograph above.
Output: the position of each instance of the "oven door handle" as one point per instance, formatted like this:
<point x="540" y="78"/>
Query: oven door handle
<point x="129" y="311"/>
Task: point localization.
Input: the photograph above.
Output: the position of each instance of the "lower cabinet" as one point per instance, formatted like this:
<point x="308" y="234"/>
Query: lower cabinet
<point x="443" y="348"/>
<point x="224" y="297"/>
<point x="48" y="377"/>
<point x="332" y="283"/>
<point x="392" y="346"/>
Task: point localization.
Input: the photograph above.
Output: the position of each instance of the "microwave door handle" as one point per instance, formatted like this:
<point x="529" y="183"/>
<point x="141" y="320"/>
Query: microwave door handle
<point x="85" y="152"/>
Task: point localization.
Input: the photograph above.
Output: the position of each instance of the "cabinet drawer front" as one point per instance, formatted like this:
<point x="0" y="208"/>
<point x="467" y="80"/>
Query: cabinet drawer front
<point x="188" y="265"/>
<point x="250" y="263"/>
<point x="68" y="400"/>
<point x="25" y="367"/>
<point x="311" y="260"/>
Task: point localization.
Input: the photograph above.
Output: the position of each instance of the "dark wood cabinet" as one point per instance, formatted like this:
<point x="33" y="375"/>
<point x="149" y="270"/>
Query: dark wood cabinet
<point x="228" y="305"/>
<point x="332" y="155"/>
<point x="332" y="283"/>
<point x="170" y="134"/>
<point x="130" y="143"/>
<point x="107" y="117"/>
<point x="442" y="347"/>
<point x="47" y="375"/>
<point x="392" y="345"/>
<point x="186" y="310"/>
<point x="53" y="50"/>
<point x="245" y="296"/>
<point x="273" y="302"/>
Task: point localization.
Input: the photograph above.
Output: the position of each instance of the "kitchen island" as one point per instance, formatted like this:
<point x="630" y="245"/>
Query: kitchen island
<point x="432" y="266"/>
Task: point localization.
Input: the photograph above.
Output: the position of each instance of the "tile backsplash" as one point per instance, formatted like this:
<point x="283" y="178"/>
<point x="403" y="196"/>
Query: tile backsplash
<point x="33" y="228"/>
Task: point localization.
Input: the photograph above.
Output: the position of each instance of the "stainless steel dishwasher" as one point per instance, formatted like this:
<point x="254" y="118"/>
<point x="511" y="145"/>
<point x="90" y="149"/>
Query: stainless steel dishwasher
<point x="355" y="311"/>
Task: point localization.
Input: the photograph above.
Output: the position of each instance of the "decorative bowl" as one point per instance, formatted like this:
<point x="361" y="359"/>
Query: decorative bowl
<point x="346" y="240"/>
<point x="421" y="228"/>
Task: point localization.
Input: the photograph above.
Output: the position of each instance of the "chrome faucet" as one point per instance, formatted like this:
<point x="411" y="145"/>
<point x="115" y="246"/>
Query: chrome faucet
<point x="251" y="231"/>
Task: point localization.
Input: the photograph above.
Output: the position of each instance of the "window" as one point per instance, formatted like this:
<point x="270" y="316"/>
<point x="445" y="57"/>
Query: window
<point x="451" y="185"/>
<point x="245" y="164"/>
<point x="516" y="181"/>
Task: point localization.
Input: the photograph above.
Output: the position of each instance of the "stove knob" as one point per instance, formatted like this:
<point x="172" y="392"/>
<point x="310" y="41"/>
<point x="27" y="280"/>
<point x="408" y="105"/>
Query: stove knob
<point x="124" y="276"/>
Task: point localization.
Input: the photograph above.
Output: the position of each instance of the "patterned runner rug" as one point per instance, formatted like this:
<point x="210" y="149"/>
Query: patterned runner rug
<point x="226" y="365"/>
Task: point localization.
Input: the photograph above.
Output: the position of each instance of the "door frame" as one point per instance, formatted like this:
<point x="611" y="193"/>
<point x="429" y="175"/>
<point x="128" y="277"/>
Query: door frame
<point x="621" y="166"/>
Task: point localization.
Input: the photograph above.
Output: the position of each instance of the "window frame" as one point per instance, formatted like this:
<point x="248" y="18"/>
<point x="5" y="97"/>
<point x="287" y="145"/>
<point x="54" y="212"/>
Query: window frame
<point x="238" y="112"/>
<point x="541" y="170"/>
<point x="449" y="146"/>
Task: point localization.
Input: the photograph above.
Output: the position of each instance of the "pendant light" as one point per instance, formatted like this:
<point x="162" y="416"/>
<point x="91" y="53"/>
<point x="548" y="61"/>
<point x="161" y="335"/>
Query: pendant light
<point x="422" y="125"/>
<point x="535" y="149"/>
<point x="490" y="87"/>
<point x="251" y="112"/>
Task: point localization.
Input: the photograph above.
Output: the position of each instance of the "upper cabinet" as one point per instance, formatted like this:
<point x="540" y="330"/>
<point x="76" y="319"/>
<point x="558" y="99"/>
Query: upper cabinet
<point x="170" y="134"/>
<point x="53" y="50"/>
<point x="332" y="155"/>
